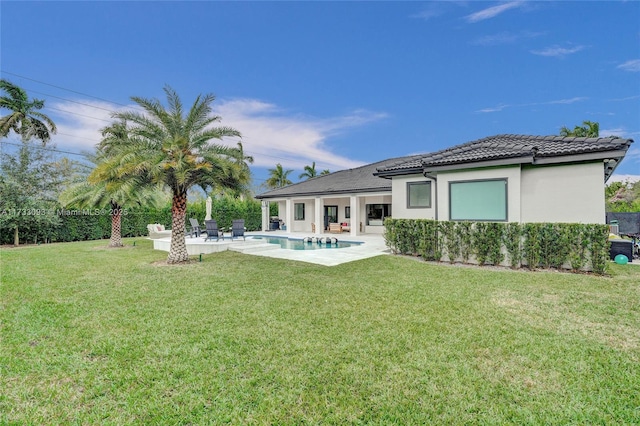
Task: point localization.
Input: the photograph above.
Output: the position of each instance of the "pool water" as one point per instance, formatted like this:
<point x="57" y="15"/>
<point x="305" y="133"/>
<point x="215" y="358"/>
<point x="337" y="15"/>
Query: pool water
<point x="295" y="244"/>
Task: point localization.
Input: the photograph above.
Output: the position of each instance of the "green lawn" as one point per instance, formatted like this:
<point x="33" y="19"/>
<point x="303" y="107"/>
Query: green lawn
<point x="91" y="335"/>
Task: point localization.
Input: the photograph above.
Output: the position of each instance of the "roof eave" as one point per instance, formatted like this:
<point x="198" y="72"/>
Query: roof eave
<point x="479" y="164"/>
<point x="398" y="172"/>
<point x="323" y="193"/>
<point x="588" y="156"/>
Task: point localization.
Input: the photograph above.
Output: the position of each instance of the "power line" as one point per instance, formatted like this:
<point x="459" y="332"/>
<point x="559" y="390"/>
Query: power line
<point x="97" y="107"/>
<point x="77" y="113"/>
<point x="71" y="100"/>
<point x="44" y="148"/>
<point x="61" y="88"/>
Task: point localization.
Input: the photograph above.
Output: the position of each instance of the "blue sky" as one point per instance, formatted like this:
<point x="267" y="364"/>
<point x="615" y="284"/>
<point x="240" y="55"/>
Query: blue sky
<point x="339" y="83"/>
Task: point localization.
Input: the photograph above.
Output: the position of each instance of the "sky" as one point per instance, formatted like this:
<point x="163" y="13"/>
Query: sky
<point x="341" y="84"/>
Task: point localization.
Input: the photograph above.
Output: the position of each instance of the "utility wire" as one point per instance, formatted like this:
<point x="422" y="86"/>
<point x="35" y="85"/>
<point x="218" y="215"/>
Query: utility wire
<point x="94" y="106"/>
<point x="62" y="88"/>
<point x="44" y="148"/>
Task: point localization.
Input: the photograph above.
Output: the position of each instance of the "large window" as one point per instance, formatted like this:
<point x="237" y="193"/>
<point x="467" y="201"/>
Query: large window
<point x="418" y="195"/>
<point x="376" y="213"/>
<point x="298" y="209"/>
<point x="478" y="200"/>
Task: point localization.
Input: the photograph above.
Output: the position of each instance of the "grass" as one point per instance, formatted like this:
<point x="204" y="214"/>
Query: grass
<point x="91" y="335"/>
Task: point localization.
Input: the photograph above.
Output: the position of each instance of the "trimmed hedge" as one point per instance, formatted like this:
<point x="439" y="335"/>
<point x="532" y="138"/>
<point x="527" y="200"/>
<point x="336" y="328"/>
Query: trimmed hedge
<point x="537" y="245"/>
<point x="90" y="224"/>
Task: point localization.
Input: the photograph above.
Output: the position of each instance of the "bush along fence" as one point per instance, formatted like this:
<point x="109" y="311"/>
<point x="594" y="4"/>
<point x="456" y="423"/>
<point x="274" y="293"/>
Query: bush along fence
<point x="94" y="224"/>
<point x="571" y="246"/>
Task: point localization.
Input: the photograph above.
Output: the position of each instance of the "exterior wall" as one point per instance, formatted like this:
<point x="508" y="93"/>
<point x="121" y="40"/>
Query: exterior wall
<point x="380" y="199"/>
<point x="512" y="174"/>
<point x="568" y="193"/>
<point x="399" y="205"/>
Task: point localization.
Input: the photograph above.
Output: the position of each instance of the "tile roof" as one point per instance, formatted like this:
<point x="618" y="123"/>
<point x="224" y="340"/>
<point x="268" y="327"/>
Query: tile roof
<point x="515" y="147"/>
<point x="359" y="179"/>
<point x="507" y="148"/>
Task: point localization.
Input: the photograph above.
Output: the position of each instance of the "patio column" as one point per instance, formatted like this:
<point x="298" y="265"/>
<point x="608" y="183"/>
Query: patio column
<point x="265" y="215"/>
<point x="353" y="203"/>
<point x="318" y="219"/>
<point x="288" y="215"/>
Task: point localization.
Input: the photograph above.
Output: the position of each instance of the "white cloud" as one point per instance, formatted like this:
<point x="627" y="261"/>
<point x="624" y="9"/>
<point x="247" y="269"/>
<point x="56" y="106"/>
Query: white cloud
<point x="565" y="101"/>
<point x="494" y="109"/>
<point x="623" y="178"/>
<point x="433" y="11"/>
<point x="556" y="102"/>
<point x="557" y="51"/>
<point x="493" y="11"/>
<point x="272" y="136"/>
<point x="79" y="122"/>
<point x="633" y="65"/>
<point x="269" y="134"/>
<point x="634" y="155"/>
<point x="504" y="38"/>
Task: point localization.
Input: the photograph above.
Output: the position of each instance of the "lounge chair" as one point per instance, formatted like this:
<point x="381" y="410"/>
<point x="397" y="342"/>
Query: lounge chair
<point x="212" y="230"/>
<point x="237" y="228"/>
<point x="195" y="228"/>
<point x="158" y="231"/>
<point x="335" y="228"/>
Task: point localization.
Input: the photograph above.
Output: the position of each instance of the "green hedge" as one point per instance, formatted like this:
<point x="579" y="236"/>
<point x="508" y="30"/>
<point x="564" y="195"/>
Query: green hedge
<point x="536" y="245"/>
<point x="87" y="225"/>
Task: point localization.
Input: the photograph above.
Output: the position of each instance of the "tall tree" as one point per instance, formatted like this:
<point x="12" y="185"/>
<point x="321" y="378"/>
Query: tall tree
<point x="28" y="191"/>
<point x="243" y="175"/>
<point x="170" y="147"/>
<point x="113" y="195"/>
<point x="24" y="118"/>
<point x="278" y="177"/>
<point x="309" y="171"/>
<point x="589" y="129"/>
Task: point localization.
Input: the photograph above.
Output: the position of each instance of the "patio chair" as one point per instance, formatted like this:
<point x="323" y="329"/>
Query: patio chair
<point x="335" y="228"/>
<point x="212" y="230"/>
<point x="237" y="228"/>
<point x="195" y="228"/>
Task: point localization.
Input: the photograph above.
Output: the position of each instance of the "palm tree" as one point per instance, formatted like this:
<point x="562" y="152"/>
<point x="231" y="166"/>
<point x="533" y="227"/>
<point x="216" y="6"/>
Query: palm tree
<point x="168" y="147"/>
<point x="112" y="195"/>
<point x="309" y="171"/>
<point x="243" y="171"/>
<point x="111" y="192"/>
<point x="324" y="172"/>
<point x="589" y="129"/>
<point x="24" y="118"/>
<point x="278" y="177"/>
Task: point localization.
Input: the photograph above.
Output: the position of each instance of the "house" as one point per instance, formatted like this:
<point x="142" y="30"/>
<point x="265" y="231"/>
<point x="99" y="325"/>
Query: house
<point x="508" y="178"/>
<point x="355" y="197"/>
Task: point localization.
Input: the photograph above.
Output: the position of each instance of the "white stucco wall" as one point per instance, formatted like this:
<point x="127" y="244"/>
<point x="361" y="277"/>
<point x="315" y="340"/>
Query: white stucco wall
<point x="399" y="204"/>
<point x="568" y="193"/>
<point x="512" y="174"/>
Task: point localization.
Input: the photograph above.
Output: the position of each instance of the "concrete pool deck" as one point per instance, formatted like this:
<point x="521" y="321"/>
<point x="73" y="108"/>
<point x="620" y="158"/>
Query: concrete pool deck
<point x="372" y="245"/>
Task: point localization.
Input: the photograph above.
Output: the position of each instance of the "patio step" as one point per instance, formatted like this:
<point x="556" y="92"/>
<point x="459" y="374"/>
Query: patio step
<point x="254" y="248"/>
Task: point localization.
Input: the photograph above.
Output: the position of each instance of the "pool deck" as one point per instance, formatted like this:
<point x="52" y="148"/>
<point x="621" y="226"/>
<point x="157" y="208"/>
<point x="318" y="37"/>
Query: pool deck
<point x="372" y="245"/>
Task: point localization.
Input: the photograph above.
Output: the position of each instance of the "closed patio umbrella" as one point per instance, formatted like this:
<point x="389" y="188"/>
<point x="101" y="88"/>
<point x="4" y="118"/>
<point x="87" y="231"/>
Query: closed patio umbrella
<point x="208" y="215"/>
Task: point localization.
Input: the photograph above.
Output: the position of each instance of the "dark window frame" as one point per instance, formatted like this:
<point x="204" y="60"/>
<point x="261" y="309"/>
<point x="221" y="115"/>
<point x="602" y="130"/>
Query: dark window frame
<point x="295" y="211"/>
<point x="506" y="199"/>
<point x="418" y="183"/>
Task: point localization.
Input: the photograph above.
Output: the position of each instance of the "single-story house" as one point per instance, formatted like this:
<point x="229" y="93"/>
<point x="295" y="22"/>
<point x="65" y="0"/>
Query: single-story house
<point x="508" y="178"/>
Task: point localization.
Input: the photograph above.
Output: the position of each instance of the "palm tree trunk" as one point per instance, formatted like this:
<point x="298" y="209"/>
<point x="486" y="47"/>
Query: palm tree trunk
<point x="178" y="249"/>
<point x="116" y="228"/>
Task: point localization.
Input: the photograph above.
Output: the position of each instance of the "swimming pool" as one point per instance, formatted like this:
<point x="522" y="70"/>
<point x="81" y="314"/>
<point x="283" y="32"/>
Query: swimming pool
<point x="297" y="244"/>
